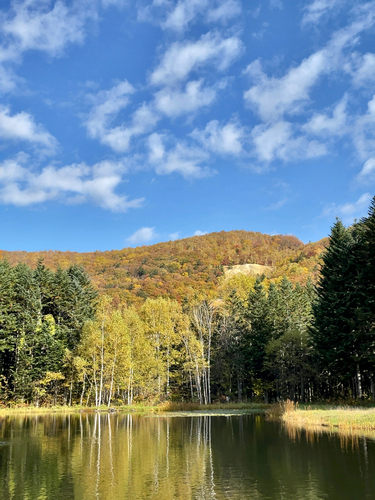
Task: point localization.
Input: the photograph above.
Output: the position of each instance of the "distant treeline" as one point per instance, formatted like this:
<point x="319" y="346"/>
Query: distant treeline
<point x="189" y="268"/>
<point x="259" y="339"/>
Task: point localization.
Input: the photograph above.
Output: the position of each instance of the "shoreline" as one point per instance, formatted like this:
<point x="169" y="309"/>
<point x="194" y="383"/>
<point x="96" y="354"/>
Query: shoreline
<point x="172" y="409"/>
<point x="334" y="417"/>
<point x="328" y="417"/>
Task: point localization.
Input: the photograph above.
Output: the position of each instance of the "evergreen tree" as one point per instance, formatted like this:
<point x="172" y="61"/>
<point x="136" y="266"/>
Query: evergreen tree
<point x="257" y="334"/>
<point x="365" y="316"/>
<point x="335" y="330"/>
<point x="27" y="309"/>
<point x="73" y="301"/>
<point x="41" y="316"/>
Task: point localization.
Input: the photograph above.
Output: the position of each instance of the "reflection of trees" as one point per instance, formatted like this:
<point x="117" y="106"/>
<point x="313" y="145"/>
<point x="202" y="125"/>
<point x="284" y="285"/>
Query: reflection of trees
<point x="145" y="458"/>
<point x="106" y="456"/>
<point x="115" y="457"/>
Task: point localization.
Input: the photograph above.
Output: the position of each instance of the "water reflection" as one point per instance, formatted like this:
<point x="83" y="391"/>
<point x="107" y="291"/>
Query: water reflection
<point x="106" y="456"/>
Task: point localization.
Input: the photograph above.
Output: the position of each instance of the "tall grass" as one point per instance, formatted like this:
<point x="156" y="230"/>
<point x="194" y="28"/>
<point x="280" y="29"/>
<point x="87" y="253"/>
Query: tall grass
<point x="169" y="406"/>
<point x="277" y="410"/>
<point x="339" y="417"/>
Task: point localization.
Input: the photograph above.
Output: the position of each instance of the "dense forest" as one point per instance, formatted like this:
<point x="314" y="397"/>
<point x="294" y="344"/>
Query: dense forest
<point x="184" y="269"/>
<point x="63" y="339"/>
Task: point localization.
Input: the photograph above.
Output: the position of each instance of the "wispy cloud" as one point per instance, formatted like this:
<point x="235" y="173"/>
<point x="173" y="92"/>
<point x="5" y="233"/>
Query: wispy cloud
<point x="143" y="235"/>
<point x="349" y="211"/>
<point x="364" y="132"/>
<point x="22" y="184"/>
<point x="38" y="25"/>
<point x="323" y="124"/>
<point x="174" y="236"/>
<point x="367" y="174"/>
<point x="183" y="13"/>
<point x="277" y="205"/>
<point x="180" y="15"/>
<point x="281" y="141"/>
<point x="179" y="158"/>
<point x="176" y="102"/>
<point x="221" y="139"/>
<point x="276" y="4"/>
<point x="363" y="69"/>
<point x="271" y="98"/>
<point x="44" y="26"/>
<point x="22" y="127"/>
<point x="106" y="107"/>
<point x="318" y="8"/>
<point x="277" y="101"/>
<point x="183" y="57"/>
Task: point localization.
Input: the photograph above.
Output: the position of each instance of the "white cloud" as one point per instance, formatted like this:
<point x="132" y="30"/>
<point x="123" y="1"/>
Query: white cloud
<point x="200" y="233"/>
<point x="226" y="139"/>
<point x="177" y="16"/>
<point x="143" y="120"/>
<point x="22" y="127"/>
<point x="318" y="8"/>
<point x="12" y="169"/>
<point x="143" y="235"/>
<point x="45" y="26"/>
<point x="279" y="141"/>
<point x="349" y="211"/>
<point x="364" y="132"/>
<point x="174" y="236"/>
<point x="367" y="174"/>
<point x="225" y="10"/>
<point x="116" y="3"/>
<point x="322" y="124"/>
<point x="277" y="205"/>
<point x="176" y="102"/>
<point x="365" y="70"/>
<point x="268" y="140"/>
<point x="36" y="25"/>
<point x="180" y="158"/>
<point x="23" y="185"/>
<point x="272" y="97"/>
<point x="183" y="13"/>
<point x="183" y="57"/>
<point x="276" y="4"/>
<point x="8" y="80"/>
<point x="107" y="105"/>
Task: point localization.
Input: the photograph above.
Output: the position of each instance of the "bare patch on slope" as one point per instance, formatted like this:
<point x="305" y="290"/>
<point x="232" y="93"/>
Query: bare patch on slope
<point x="249" y="269"/>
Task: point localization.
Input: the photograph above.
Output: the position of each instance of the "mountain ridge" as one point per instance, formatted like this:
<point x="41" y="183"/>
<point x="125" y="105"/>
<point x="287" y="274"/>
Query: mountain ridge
<point x="185" y="267"/>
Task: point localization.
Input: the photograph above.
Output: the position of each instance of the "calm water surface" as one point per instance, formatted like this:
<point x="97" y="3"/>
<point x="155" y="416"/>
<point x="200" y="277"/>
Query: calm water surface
<point x="100" y="456"/>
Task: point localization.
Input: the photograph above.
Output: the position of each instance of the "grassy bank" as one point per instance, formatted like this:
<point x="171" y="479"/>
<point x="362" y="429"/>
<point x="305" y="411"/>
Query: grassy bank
<point x="341" y="418"/>
<point x="136" y="408"/>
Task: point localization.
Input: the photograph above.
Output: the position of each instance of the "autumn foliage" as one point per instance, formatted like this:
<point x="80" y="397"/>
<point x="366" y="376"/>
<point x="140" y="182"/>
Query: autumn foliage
<point x="185" y="269"/>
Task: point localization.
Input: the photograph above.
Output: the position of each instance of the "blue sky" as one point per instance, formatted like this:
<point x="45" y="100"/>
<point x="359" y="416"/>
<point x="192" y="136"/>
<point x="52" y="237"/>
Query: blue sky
<point x="128" y="122"/>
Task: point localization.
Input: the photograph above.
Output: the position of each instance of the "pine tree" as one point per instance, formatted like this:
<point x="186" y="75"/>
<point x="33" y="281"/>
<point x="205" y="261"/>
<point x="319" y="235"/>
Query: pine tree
<point x="365" y="316"/>
<point x="27" y="309"/>
<point x="257" y="335"/>
<point x="334" y="331"/>
<point x="8" y="321"/>
<point x="73" y="301"/>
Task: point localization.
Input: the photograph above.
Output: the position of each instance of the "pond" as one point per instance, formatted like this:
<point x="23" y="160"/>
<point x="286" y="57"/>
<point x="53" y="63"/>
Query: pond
<point x="118" y="456"/>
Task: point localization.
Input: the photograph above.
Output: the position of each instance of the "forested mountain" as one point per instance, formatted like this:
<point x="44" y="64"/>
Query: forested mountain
<point x="186" y="268"/>
<point x="267" y="337"/>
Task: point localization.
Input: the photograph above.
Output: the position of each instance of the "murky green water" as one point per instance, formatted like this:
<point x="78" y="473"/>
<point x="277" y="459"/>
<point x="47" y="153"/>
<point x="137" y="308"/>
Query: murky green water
<point x="92" y="456"/>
